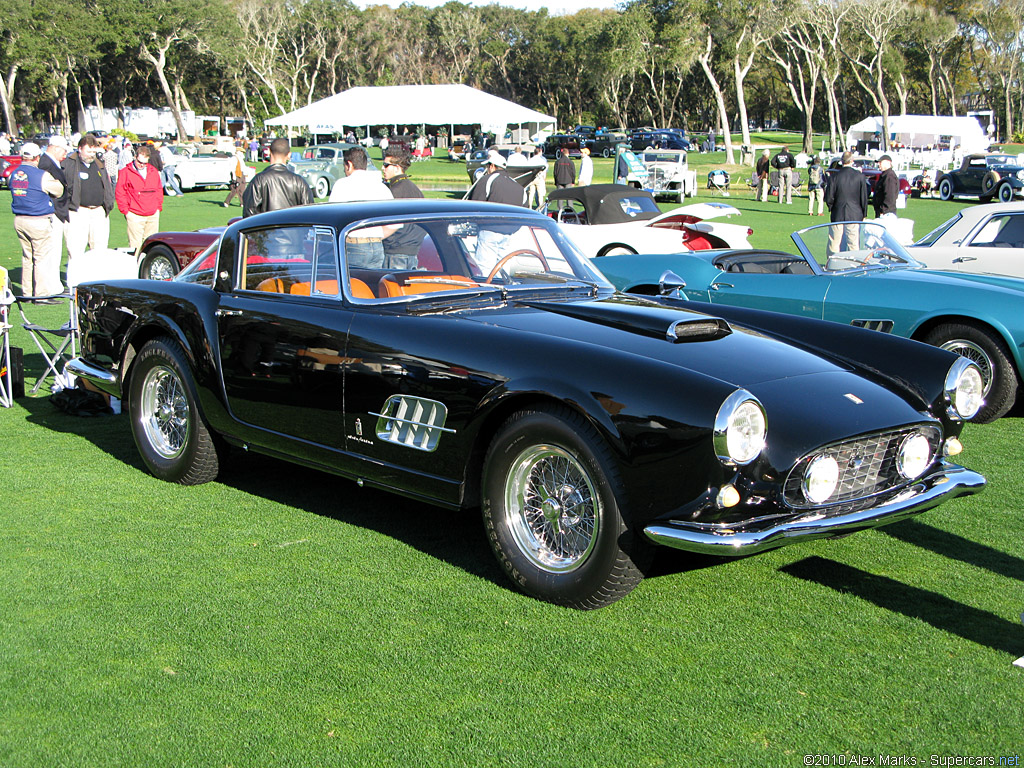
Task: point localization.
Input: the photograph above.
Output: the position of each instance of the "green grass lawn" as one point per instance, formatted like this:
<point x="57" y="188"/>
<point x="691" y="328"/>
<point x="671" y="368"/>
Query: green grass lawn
<point x="283" y="617"/>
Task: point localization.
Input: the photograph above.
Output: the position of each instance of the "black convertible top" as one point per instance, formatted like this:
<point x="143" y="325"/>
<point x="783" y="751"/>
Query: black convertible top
<point x="611" y="203"/>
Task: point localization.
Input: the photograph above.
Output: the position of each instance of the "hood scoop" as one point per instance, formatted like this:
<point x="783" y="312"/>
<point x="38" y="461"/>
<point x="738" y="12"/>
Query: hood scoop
<point x="645" y="317"/>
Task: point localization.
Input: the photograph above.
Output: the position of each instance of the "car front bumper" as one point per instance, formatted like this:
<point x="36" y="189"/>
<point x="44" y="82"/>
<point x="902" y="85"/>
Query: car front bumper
<point x="947" y="482"/>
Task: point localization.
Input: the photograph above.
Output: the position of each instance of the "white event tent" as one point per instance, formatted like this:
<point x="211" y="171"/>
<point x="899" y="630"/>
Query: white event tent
<point x="451" y="105"/>
<point x="922" y="131"/>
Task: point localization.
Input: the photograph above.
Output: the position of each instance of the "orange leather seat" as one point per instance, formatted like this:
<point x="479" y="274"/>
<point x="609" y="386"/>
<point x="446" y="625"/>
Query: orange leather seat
<point x="410" y="285"/>
<point x="330" y="287"/>
<point x="272" y="285"/>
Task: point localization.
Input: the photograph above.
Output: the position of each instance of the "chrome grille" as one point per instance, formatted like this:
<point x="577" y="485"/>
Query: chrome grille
<point x="867" y="465"/>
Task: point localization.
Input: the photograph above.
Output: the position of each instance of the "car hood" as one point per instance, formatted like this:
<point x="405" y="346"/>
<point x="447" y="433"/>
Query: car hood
<point x="684" y="338"/>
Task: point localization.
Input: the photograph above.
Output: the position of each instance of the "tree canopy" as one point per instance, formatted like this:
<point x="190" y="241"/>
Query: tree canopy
<point x="697" y="64"/>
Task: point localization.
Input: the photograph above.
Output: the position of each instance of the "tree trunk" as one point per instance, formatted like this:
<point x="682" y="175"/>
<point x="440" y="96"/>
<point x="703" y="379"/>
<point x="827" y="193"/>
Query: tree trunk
<point x="723" y="114"/>
<point x="159" y="64"/>
<point x="6" y="89"/>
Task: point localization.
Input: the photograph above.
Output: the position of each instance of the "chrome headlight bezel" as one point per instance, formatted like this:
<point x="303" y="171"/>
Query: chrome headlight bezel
<point x="964" y="390"/>
<point x="741" y="429"/>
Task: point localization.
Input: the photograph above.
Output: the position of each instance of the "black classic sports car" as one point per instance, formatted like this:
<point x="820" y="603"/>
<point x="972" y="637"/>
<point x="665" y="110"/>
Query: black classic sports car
<point x="480" y="361"/>
<point x="989" y="177"/>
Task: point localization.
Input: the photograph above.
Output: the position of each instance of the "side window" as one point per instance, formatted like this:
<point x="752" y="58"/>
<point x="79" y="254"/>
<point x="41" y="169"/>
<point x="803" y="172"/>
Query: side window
<point x="274" y="260"/>
<point x="325" y="281"/>
<point x="1005" y="231"/>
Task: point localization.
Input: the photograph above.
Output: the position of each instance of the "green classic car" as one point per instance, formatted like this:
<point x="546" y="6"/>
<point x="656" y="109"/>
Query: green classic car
<point x="321" y="165"/>
<point x="854" y="273"/>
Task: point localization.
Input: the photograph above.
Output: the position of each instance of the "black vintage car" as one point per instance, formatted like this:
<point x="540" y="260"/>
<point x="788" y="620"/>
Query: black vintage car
<point x="990" y="177"/>
<point x="481" y="362"/>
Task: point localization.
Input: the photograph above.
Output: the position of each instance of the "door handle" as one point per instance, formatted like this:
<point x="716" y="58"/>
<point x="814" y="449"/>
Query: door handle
<point x="962" y="259"/>
<point x="227" y="312"/>
<point x="720" y="286"/>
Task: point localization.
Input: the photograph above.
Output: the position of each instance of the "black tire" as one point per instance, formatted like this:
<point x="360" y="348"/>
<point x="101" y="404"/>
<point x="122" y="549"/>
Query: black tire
<point x="1004" y="194"/>
<point x="989" y="351"/>
<point x="159" y="263"/>
<point x="168" y="427"/>
<point x="323" y="187"/>
<point x="177" y="180"/>
<point x="606" y="152"/>
<point x="946" y="189"/>
<point x="572" y="547"/>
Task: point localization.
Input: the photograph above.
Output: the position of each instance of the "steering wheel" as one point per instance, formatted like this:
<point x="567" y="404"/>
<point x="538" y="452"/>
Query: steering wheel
<point x="509" y="256"/>
<point x="568" y="216"/>
<point x="881" y="254"/>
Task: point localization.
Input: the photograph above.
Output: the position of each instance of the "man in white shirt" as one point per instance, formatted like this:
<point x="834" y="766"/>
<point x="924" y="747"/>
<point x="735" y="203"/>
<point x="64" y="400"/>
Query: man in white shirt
<point x="586" y="176"/>
<point x="517" y="158"/>
<point x="363" y="247"/>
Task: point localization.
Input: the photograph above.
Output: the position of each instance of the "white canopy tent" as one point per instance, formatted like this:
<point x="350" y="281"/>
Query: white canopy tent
<point x="923" y="131"/>
<point x="394" y="105"/>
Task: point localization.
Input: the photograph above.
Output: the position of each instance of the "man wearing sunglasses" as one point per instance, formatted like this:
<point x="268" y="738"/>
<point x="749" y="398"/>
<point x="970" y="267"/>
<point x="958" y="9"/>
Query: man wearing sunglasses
<point x="402" y="244"/>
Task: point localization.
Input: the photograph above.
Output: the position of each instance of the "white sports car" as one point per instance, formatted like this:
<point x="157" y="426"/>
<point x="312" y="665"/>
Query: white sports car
<point x="980" y="238"/>
<point x="605" y="219"/>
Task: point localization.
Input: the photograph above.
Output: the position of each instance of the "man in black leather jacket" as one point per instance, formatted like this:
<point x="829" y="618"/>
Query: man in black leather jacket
<point x="276" y="187"/>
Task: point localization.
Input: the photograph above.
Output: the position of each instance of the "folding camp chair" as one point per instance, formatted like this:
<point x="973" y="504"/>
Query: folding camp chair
<point x="718" y="181"/>
<point x="56" y="345"/>
<point x="6" y="368"/>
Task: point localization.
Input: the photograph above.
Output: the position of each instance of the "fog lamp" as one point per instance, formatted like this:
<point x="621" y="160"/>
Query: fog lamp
<point x="914" y="456"/>
<point x="821" y="479"/>
<point x="952" y="447"/>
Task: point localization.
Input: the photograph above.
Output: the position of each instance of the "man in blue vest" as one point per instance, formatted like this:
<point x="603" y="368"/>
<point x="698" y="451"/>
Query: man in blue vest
<point x="32" y="193"/>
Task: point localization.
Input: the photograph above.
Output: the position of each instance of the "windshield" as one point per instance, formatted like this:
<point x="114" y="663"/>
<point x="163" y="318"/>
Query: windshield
<point x="932" y="237"/>
<point x="480" y="255"/>
<point x="1001" y="160"/>
<point x="201" y="269"/>
<point x="662" y="157"/>
<point x="845" y="246"/>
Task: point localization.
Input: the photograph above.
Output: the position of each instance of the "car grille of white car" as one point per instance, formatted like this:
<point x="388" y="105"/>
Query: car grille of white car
<point x="867" y="467"/>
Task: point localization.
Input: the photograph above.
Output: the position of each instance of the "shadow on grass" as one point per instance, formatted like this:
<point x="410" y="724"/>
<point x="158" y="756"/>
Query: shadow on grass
<point x="944" y="614"/>
<point x="455" y="537"/>
<point x="111" y="434"/>
<point x="956" y="547"/>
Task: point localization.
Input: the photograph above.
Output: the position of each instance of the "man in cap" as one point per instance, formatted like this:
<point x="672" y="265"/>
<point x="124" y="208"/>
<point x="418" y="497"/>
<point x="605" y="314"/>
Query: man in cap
<point x="887" y="189"/>
<point x="495" y="186"/>
<point x="32" y="193"/>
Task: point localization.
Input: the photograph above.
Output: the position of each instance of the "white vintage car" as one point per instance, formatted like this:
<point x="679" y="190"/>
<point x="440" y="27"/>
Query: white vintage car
<point x="204" y="170"/>
<point x="606" y="219"/>
<point x="980" y="238"/>
<point x="668" y="174"/>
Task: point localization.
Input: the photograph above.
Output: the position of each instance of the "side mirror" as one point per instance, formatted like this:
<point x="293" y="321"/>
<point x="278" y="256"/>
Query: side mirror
<point x="671" y="284"/>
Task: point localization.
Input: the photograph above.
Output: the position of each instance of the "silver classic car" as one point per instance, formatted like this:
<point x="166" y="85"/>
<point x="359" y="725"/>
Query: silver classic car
<point x="204" y="170"/>
<point x="321" y="165"/>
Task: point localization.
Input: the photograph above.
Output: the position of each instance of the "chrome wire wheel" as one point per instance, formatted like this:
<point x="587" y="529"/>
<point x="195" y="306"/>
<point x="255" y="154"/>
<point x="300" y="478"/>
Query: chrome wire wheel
<point x="976" y="355"/>
<point x="164" y="412"/>
<point x="160" y="268"/>
<point x="552" y="508"/>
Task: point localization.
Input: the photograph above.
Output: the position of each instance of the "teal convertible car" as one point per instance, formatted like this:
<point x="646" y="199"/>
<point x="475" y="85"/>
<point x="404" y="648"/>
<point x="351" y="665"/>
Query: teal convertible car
<point x="854" y="273"/>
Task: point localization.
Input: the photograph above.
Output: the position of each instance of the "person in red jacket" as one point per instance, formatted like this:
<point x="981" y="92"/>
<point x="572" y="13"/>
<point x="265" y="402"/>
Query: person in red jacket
<point x="140" y="197"/>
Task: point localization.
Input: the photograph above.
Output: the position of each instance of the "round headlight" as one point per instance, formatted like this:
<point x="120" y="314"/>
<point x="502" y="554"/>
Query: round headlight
<point x="965" y="389"/>
<point x="821" y="479"/>
<point x="740" y="428"/>
<point x="914" y="456"/>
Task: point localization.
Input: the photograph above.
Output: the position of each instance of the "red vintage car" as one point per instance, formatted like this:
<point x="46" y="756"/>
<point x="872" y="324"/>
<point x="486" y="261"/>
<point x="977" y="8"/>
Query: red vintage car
<point x="164" y="254"/>
<point x="7" y="165"/>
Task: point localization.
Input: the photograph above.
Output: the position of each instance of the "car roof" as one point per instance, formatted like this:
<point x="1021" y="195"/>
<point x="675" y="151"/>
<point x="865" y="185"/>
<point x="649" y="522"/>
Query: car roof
<point x="599" y="201"/>
<point x="341" y="214"/>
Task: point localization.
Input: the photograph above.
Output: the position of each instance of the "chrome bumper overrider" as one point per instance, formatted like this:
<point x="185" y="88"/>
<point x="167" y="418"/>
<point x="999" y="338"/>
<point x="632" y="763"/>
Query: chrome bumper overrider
<point x="740" y="538"/>
<point x="104" y="380"/>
